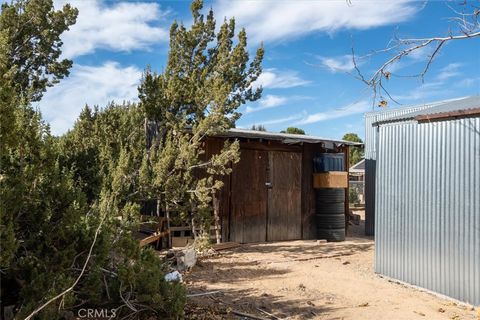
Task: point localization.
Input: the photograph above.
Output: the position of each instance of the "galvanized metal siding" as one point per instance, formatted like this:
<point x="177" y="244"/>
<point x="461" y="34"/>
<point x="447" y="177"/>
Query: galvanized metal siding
<point x="370" y="158"/>
<point x="427" y="229"/>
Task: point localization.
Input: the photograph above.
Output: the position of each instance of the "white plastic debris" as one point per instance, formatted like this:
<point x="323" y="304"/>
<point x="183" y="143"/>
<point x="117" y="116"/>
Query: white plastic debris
<point x="173" y="276"/>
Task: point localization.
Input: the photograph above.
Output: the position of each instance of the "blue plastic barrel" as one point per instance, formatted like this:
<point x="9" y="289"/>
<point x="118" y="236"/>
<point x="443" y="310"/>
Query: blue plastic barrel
<point x="329" y="162"/>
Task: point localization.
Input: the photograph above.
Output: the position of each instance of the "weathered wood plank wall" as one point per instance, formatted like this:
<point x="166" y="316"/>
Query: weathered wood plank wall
<point x="309" y="230"/>
<point x="249" y="198"/>
<point x="284" y="196"/>
<point x="250" y="212"/>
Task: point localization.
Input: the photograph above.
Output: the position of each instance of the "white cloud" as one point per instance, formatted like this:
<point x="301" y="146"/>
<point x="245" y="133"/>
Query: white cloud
<point x="279" y="20"/>
<point x="276" y="121"/>
<point x="273" y="78"/>
<point x="338" y="64"/>
<point x="97" y="85"/>
<point x="351" y="109"/>
<point x="441" y="86"/>
<point x="270" y="101"/>
<point x="468" y="82"/>
<point x="424" y="92"/>
<point x="449" y="71"/>
<point x="121" y="26"/>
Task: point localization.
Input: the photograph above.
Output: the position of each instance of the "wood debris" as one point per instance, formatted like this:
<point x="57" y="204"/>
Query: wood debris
<point x="203" y="294"/>
<point x="225" y="246"/>
<point x="269" y="314"/>
<point x="247" y="315"/>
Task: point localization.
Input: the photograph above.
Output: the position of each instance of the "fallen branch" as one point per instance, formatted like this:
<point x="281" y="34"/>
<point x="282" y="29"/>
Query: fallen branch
<point x="37" y="310"/>
<point x="247" y="315"/>
<point x="202" y="294"/>
<point x="269" y="314"/>
<point x="225" y="246"/>
<point x="126" y="301"/>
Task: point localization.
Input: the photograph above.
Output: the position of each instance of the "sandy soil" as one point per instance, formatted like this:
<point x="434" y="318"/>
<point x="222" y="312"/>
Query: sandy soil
<point x="310" y="280"/>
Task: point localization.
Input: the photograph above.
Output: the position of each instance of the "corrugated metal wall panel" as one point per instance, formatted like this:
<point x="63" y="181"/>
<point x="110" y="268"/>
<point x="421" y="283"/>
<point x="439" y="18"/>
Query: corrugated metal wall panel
<point x="427" y="229"/>
<point x="370" y="156"/>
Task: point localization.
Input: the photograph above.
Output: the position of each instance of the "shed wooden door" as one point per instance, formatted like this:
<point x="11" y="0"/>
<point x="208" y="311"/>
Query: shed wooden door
<point x="249" y="197"/>
<point x="284" y="197"/>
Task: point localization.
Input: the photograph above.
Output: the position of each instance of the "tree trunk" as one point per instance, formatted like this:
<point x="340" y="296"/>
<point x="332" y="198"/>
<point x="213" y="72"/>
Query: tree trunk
<point x="167" y="215"/>
<point x="194" y="226"/>
<point x="216" y="215"/>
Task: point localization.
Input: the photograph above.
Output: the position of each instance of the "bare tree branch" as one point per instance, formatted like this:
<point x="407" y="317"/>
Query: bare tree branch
<point x="468" y="28"/>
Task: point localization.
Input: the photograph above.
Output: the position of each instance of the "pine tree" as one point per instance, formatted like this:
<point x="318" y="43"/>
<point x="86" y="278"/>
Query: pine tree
<point x="115" y="136"/>
<point x="293" y="130"/>
<point x="56" y="193"/>
<point x="259" y="127"/>
<point x="208" y="76"/>
<point x="31" y="33"/>
<point x="29" y="40"/>
<point x="356" y="153"/>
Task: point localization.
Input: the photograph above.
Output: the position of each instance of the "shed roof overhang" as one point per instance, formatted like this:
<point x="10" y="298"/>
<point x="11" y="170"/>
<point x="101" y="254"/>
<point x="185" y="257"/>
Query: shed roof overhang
<point x="286" y="138"/>
<point x="447" y="110"/>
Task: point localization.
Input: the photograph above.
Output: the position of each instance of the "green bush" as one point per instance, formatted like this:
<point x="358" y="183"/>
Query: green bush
<point x="56" y="192"/>
<point x="353" y="196"/>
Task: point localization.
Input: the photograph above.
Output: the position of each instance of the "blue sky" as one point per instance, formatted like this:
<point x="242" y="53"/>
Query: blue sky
<point x="307" y="67"/>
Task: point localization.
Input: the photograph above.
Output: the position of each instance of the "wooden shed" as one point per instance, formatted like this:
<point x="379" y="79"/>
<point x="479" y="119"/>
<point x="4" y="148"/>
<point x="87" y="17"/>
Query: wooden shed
<point x="269" y="196"/>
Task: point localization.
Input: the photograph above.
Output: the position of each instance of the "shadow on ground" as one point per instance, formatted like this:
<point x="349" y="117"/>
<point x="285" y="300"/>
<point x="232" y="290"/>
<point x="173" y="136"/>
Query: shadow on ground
<point x="252" y="263"/>
<point x="250" y="302"/>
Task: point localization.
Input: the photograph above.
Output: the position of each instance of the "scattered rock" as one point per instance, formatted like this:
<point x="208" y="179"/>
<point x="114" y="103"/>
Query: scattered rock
<point x="420" y="313"/>
<point x="346" y="262"/>
<point x="366" y="304"/>
<point x="441" y="310"/>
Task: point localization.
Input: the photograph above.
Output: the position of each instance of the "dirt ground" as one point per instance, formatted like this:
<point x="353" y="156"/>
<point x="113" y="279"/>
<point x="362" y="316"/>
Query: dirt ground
<point x="309" y="280"/>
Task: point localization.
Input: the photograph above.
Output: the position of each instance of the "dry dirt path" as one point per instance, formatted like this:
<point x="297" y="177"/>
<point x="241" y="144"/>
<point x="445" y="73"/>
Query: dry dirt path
<point x="307" y="280"/>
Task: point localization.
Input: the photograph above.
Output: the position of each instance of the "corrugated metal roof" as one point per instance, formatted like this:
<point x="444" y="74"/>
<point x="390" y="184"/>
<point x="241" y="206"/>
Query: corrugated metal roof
<point x="287" y="138"/>
<point x="358" y="167"/>
<point x="438" y="107"/>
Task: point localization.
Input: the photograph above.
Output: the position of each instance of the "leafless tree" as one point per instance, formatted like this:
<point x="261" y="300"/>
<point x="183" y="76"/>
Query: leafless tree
<point x="466" y="25"/>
